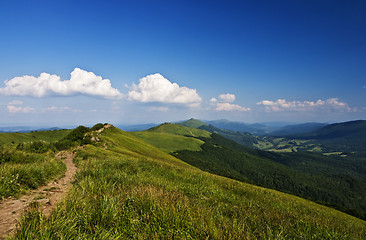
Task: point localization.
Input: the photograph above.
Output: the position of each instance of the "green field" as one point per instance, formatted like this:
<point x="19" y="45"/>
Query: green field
<point x="48" y="136"/>
<point x="132" y="190"/>
<point x="172" y="137"/>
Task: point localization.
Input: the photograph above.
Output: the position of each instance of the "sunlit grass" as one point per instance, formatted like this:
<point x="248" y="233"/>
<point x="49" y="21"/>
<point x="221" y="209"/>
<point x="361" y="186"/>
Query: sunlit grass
<point x="135" y="191"/>
<point x="48" y="136"/>
<point x="29" y="171"/>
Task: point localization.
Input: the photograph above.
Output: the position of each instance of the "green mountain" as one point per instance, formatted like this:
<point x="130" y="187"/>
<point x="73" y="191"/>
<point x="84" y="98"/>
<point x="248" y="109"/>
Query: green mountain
<point x="331" y="180"/>
<point x="242" y="138"/>
<point x="256" y="128"/>
<point x="346" y="136"/>
<point x="296" y="129"/>
<point x="126" y="188"/>
<point x="193" y="123"/>
<point x="171" y="137"/>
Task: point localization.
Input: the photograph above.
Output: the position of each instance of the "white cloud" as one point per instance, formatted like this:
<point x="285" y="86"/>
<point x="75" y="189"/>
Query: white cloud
<point x="227" y="97"/>
<point x="331" y="104"/>
<point x="213" y="100"/>
<point x="60" y="109"/>
<point x="15" y="102"/>
<point x="225" y="103"/>
<point x="230" y="107"/>
<point x="156" y="88"/>
<point x="14" y="107"/>
<point x="159" y="109"/>
<point x="81" y="82"/>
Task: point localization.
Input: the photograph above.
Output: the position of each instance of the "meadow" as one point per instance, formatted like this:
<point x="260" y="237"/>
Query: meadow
<point x="127" y="189"/>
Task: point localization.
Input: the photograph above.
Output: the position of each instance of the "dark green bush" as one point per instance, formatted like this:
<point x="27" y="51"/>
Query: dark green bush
<point x="97" y="126"/>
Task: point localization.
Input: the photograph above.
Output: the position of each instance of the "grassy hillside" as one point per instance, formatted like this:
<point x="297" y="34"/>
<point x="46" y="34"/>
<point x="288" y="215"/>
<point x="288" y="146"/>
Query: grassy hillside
<point x="132" y="190"/>
<point x="27" y="161"/>
<point x="30" y="164"/>
<point x="193" y="123"/>
<point x="331" y="180"/>
<point x="172" y="137"/>
<point x="242" y="138"/>
<point x="179" y="130"/>
<point x="48" y="136"/>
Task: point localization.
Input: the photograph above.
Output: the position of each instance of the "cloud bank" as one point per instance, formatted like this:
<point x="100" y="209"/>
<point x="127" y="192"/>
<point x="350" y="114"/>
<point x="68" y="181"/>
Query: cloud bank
<point x="156" y="88"/>
<point x="81" y="82"/>
<point x="329" y="105"/>
<point x="224" y="103"/>
<point x="15" y="107"/>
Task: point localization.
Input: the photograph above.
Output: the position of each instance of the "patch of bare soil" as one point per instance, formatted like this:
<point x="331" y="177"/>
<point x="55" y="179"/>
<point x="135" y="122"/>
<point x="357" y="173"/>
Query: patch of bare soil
<point x="12" y="209"/>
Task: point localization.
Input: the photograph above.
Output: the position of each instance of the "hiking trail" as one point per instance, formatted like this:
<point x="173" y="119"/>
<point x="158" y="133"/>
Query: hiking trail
<point x="12" y="209"/>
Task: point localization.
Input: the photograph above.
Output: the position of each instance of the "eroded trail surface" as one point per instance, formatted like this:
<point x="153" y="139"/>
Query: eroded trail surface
<point x="11" y="209"/>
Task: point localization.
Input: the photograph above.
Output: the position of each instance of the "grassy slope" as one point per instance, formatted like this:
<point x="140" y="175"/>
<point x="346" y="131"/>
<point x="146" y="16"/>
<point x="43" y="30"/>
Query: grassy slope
<point x="24" y="169"/>
<point x="179" y="130"/>
<point x="333" y="181"/>
<point x="193" y="123"/>
<point x="172" y="137"/>
<point x="132" y="190"/>
<point x="48" y="136"/>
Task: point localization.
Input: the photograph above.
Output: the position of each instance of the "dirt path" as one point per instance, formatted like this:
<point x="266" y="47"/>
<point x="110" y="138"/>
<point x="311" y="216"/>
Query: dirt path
<point x="11" y="209"/>
<point x="191" y="132"/>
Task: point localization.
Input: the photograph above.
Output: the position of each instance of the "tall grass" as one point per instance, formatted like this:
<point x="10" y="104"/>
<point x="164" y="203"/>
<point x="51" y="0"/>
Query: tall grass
<point x="21" y="171"/>
<point x="118" y="195"/>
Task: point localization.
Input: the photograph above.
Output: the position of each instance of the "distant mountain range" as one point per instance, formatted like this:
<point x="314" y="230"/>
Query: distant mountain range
<point x="25" y="129"/>
<point x="259" y="129"/>
<point x="338" y="137"/>
<point x="136" y="127"/>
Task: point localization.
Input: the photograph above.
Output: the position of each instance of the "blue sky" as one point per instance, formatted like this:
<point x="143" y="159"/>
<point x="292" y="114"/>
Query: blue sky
<point x="157" y="61"/>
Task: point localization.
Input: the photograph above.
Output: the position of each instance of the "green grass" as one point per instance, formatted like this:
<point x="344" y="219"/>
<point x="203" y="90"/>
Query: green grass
<point x="193" y="123"/>
<point x="172" y="137"/>
<point x="176" y="129"/>
<point x="27" y="160"/>
<point x="169" y="142"/>
<point x="48" y="136"/>
<point x="21" y="171"/>
<point x="132" y="190"/>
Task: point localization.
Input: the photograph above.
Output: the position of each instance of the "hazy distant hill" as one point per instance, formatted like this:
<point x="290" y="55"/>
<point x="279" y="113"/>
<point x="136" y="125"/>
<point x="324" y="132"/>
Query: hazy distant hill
<point x="351" y="129"/>
<point x="297" y="129"/>
<point x="242" y="138"/>
<point x="25" y="129"/>
<point x="256" y="128"/>
<point x="346" y="136"/>
<point x="136" y="127"/>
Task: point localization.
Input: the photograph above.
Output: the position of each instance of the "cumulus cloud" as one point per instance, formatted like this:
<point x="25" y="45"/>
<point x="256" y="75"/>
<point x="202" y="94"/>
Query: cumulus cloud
<point x="158" y="109"/>
<point x="60" y="109"/>
<point x="224" y="103"/>
<point x="81" y="82"/>
<point x="230" y="107"/>
<point x="15" y="107"/>
<point x="332" y="104"/>
<point x="156" y="88"/>
<point x="227" y="97"/>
